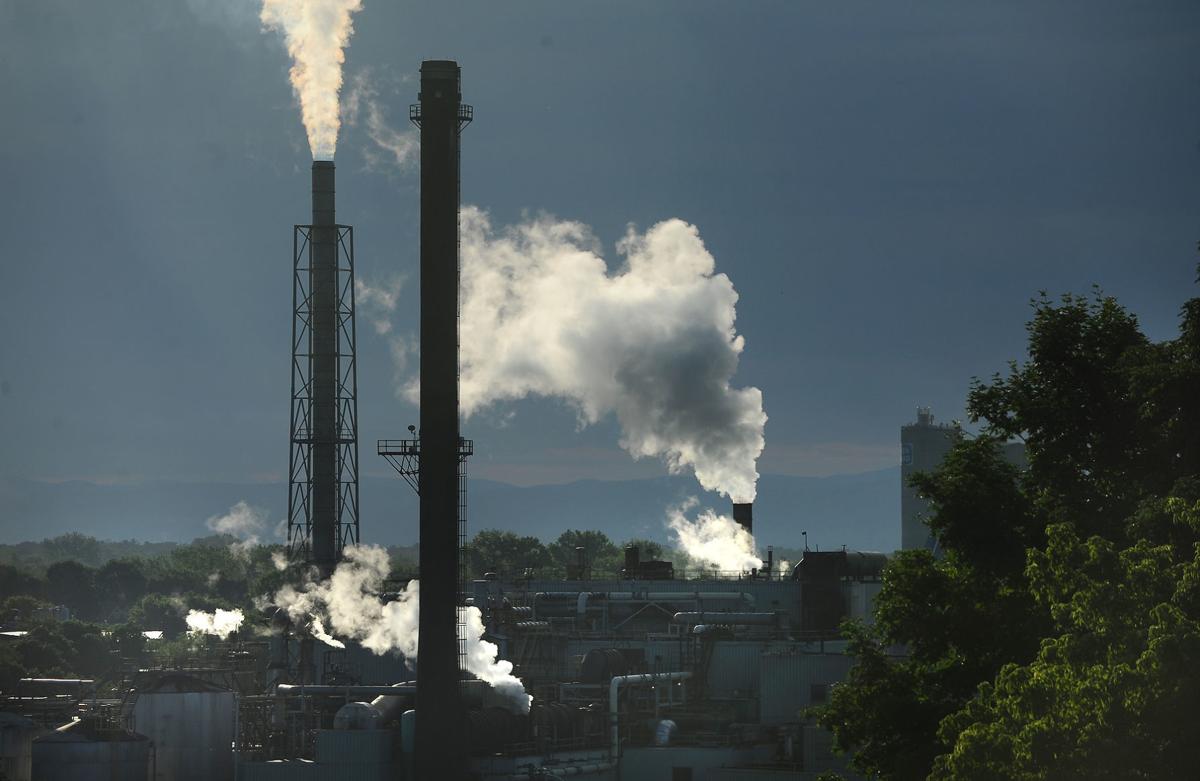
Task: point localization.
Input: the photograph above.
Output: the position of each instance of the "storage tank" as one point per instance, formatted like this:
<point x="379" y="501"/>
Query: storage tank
<point x="191" y="723"/>
<point x="90" y="751"/>
<point x="16" y="747"/>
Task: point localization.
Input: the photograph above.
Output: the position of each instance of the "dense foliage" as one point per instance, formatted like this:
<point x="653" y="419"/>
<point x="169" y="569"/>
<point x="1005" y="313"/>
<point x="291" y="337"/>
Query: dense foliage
<point x="1053" y="636"/>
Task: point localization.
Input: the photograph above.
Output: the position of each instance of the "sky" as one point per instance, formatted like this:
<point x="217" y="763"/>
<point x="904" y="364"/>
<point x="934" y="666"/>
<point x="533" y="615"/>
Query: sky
<point x="887" y="185"/>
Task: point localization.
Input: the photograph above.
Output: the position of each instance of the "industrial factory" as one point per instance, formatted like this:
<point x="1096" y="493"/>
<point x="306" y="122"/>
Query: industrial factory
<point x="655" y="674"/>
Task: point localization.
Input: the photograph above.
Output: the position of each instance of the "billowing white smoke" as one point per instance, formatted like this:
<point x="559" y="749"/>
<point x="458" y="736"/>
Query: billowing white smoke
<point x="715" y="539"/>
<point x="241" y="521"/>
<point x="316" y="33"/>
<point x="653" y="341"/>
<point x="221" y="623"/>
<point x="348" y="604"/>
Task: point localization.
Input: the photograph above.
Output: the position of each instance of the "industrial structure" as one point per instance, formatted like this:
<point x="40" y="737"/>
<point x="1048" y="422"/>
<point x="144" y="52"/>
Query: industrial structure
<point x="923" y="446"/>
<point x="441" y="116"/>
<point x="323" y="465"/>
<point x="657" y="673"/>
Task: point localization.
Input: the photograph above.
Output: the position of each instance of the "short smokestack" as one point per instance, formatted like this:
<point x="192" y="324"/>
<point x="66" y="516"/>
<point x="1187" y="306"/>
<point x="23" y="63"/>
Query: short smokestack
<point x="743" y="513"/>
<point x="633" y="558"/>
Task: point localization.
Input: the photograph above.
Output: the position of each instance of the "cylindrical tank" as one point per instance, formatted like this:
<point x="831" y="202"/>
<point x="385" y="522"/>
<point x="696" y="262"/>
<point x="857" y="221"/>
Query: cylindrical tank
<point x="599" y="665"/>
<point x="16" y="747"/>
<point x="87" y="751"/>
<point x="356" y="716"/>
<point x="190" y="723"/>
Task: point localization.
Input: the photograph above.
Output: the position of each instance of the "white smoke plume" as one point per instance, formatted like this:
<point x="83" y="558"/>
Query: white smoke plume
<point x="378" y="301"/>
<point x="242" y="521"/>
<point x="220" y="624"/>
<point x="316" y="33"/>
<point x="716" y="539"/>
<point x="348" y="604"/>
<point x="392" y="149"/>
<point x="653" y="341"/>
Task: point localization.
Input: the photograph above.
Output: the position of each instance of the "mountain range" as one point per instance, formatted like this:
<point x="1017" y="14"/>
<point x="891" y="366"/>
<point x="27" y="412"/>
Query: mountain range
<point x="859" y="511"/>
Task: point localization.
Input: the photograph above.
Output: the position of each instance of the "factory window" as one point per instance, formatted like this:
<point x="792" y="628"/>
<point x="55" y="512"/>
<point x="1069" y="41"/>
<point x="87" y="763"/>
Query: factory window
<point x="818" y="693"/>
<point x="681" y="774"/>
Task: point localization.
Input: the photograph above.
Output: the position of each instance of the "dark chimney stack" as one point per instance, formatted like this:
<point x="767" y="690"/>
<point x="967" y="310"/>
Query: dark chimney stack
<point x="324" y="290"/>
<point x="743" y="513"/>
<point x="440" y="115"/>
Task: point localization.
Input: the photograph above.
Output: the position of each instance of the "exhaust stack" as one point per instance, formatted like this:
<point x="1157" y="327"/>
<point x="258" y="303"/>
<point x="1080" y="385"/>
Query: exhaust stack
<point x="440" y="716"/>
<point x="743" y="513"/>
<point x="323" y="289"/>
<point x="323" y="470"/>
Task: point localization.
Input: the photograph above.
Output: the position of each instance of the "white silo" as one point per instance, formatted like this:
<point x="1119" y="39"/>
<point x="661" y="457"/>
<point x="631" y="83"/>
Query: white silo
<point x="191" y="724"/>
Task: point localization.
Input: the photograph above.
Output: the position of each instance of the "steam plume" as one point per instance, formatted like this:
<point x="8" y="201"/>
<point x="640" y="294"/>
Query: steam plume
<point x="221" y="624"/>
<point x="349" y="603"/>
<point x="653" y="342"/>
<point x="316" y="33"/>
<point x="716" y="539"/>
<point x="242" y="521"/>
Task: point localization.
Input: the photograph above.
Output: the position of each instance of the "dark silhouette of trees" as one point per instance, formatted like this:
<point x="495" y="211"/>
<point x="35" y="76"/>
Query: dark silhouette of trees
<point x="1051" y="638"/>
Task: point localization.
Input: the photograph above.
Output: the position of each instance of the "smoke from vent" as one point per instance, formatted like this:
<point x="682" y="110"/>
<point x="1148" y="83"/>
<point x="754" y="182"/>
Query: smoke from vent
<point x="316" y="33"/>
<point x="717" y="540"/>
<point x="653" y="342"/>
<point x="347" y="604"/>
<point x="221" y="623"/>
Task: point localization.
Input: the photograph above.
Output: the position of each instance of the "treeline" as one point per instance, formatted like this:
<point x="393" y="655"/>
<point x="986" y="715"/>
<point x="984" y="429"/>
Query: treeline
<point x="78" y="547"/>
<point x="215" y="571"/>
<point x="1056" y="635"/>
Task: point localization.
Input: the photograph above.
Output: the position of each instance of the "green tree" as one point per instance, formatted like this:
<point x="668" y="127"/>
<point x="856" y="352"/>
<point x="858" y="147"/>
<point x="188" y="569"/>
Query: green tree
<point x="91" y="651"/>
<point x="121" y="582"/>
<point x="73" y="584"/>
<point x="22" y="611"/>
<point x="1112" y="691"/>
<point x="1051" y="625"/>
<point x="505" y="553"/>
<point x="599" y="551"/>
<point x="160" y="612"/>
<point x="17" y="580"/>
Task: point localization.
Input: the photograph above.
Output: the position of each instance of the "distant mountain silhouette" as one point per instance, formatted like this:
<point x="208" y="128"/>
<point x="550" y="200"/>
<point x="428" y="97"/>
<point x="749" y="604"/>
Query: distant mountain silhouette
<point x="860" y="511"/>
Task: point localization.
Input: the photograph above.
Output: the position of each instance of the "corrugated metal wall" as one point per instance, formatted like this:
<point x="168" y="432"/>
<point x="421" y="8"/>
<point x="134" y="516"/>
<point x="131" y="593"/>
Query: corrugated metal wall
<point x="192" y="733"/>
<point x="93" y="760"/>
<point x="788" y="678"/>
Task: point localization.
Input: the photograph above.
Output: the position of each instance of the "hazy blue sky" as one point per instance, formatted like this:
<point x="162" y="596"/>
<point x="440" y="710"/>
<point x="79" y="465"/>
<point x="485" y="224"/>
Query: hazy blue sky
<point x="887" y="185"/>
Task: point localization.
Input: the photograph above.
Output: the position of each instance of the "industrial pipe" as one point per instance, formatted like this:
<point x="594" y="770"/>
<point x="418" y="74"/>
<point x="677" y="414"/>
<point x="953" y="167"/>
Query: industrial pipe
<point x="727" y="619"/>
<point x="326" y="690"/>
<point x="613" y="690"/>
<point x="388" y="704"/>
<point x="653" y="596"/>
<point x="558" y="772"/>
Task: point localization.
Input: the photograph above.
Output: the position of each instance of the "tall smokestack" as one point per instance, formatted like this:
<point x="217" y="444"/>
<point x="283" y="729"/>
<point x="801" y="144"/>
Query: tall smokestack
<point x="323" y="468"/>
<point x="439" y="705"/>
<point x="324" y="292"/>
<point x="743" y="513"/>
